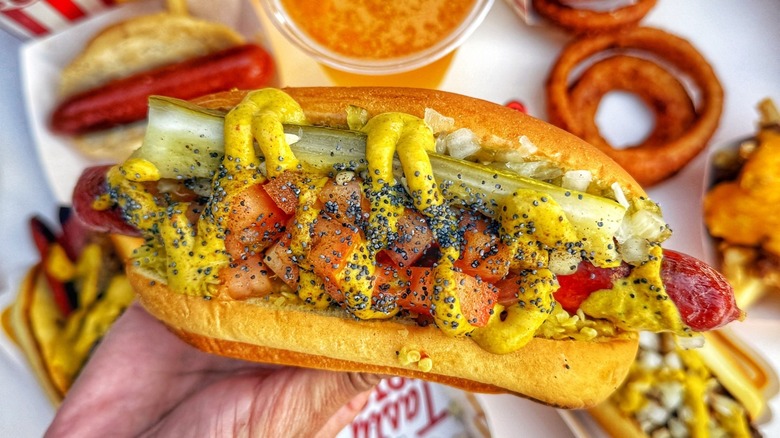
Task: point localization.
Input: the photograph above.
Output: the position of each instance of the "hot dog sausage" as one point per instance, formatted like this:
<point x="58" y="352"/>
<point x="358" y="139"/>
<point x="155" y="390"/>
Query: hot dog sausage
<point x="125" y="100"/>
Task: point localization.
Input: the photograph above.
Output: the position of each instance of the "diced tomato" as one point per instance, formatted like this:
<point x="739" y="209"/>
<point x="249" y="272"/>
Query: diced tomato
<point x="279" y="259"/>
<point x="483" y="254"/>
<point x="333" y="290"/>
<point x="577" y="287"/>
<point x="417" y="298"/>
<point x="284" y="190"/>
<point x="345" y="202"/>
<point x="390" y="280"/>
<point x="414" y="238"/>
<point x="332" y="246"/>
<point x="246" y="278"/>
<point x="509" y="290"/>
<point x="476" y="297"/>
<point x="254" y="223"/>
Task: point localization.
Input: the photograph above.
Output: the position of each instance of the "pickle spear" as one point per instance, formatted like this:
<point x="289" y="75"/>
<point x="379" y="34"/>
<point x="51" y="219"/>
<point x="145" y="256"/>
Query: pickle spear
<point x="185" y="141"/>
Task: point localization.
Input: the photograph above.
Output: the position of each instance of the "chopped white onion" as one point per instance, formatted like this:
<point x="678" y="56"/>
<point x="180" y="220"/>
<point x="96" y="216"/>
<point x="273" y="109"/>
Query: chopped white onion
<point x="620" y="197"/>
<point x="441" y="145"/>
<point x="673" y="360"/>
<point x="461" y="143"/>
<point x="677" y="427"/>
<point x="438" y="122"/>
<point x="724" y="405"/>
<point x="650" y="360"/>
<point x="653" y="413"/>
<point x="661" y="432"/>
<point x="513" y="156"/>
<point x="291" y="138"/>
<point x="563" y="262"/>
<point x="690" y="342"/>
<point x="647" y="224"/>
<point x="344" y="177"/>
<point x="636" y="231"/>
<point x="577" y="180"/>
<point x="527" y="147"/>
<point x="634" y="250"/>
<point x="671" y="394"/>
<point x="649" y="341"/>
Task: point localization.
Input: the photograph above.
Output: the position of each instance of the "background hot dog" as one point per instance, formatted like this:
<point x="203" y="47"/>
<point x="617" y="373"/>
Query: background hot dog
<point x="125" y="100"/>
<point x="103" y="90"/>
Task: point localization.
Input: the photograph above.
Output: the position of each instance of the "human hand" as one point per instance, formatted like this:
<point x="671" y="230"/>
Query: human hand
<point x="143" y="380"/>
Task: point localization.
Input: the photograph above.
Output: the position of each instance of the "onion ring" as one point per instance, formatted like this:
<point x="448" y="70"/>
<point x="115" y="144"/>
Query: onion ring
<point x="659" y="90"/>
<point x="591" y="21"/>
<point x="647" y="165"/>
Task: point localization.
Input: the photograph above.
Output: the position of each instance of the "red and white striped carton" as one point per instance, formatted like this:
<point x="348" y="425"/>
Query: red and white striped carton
<point x="44" y="17"/>
<point x="401" y="407"/>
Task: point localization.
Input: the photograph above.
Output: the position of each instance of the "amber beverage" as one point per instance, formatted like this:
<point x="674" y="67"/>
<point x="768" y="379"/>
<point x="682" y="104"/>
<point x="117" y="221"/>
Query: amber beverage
<point x="379" y="38"/>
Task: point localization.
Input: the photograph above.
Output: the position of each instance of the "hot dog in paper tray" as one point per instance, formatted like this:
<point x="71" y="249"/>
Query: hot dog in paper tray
<point x="721" y="389"/>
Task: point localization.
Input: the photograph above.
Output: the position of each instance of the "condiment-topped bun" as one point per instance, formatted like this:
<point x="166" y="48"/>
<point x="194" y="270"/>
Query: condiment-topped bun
<point x="267" y="239"/>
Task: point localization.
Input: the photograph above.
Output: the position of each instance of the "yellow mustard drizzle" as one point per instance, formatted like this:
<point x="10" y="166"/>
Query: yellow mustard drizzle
<point x="697" y="376"/>
<point x="305" y="216"/>
<point x="412" y="139"/>
<point x="638" y="302"/>
<point x="195" y="254"/>
<point x="531" y="225"/>
<point x="505" y="333"/>
<point x="193" y="257"/>
<point x="695" y="394"/>
<point x="355" y="282"/>
<point x="261" y="115"/>
<point x="311" y="290"/>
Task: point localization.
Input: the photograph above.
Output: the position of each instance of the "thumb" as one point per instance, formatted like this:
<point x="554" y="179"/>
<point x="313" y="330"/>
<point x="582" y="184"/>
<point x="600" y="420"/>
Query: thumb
<point x="329" y="399"/>
<point x="348" y="411"/>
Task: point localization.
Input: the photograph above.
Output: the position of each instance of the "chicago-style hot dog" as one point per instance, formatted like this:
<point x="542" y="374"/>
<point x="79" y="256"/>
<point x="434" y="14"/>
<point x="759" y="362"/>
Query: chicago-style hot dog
<point x="524" y="262"/>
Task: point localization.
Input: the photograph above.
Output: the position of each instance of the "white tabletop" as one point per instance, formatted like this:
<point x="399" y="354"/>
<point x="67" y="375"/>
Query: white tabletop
<point x="503" y="60"/>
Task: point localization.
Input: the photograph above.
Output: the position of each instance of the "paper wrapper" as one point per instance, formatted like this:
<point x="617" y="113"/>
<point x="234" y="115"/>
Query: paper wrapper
<point x="413" y="408"/>
<point x="42" y="18"/>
